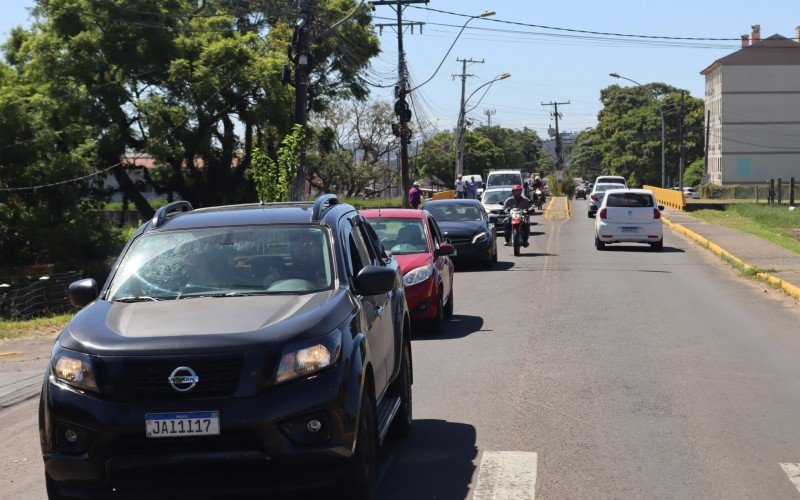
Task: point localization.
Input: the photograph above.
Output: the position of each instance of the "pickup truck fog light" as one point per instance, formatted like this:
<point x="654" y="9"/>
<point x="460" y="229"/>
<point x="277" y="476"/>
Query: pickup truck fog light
<point x="314" y="426"/>
<point x="71" y="438"/>
<point x="70" y="435"/>
<point x="310" y="429"/>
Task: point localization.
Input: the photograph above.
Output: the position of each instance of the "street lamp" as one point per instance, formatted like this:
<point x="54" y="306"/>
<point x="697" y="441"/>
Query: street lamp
<point x="487" y="13"/>
<point x="462" y="112"/>
<point x="663" y="127"/>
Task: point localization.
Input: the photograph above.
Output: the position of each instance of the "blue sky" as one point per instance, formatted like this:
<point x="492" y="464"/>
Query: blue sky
<point x="545" y="67"/>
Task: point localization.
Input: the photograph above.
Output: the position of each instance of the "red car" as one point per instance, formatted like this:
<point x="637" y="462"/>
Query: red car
<point x="414" y="239"/>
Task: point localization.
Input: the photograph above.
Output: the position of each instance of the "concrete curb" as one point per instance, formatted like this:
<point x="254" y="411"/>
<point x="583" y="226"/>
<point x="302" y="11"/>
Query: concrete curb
<point x="788" y="288"/>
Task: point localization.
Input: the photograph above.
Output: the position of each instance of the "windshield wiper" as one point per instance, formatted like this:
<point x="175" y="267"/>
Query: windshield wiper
<point x="139" y="298"/>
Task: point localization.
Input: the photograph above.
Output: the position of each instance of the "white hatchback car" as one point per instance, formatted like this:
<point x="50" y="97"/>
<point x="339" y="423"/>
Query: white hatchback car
<point x="629" y="216"/>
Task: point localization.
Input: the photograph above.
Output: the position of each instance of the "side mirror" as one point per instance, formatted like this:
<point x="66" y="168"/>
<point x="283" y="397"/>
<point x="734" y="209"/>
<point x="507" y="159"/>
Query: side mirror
<point x="444" y="250"/>
<point x="375" y="280"/>
<point x="83" y="292"/>
<point x="661" y="208"/>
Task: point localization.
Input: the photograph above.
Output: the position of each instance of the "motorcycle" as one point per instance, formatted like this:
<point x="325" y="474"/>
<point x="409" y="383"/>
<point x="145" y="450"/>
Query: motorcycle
<point x="518" y="216"/>
<point x="538" y="198"/>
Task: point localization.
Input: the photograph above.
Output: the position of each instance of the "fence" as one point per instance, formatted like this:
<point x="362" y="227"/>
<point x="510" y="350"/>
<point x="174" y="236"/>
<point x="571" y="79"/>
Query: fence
<point x="45" y="296"/>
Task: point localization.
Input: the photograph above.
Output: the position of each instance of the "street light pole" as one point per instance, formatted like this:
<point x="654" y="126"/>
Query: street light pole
<point x="461" y="128"/>
<point x="663" y="126"/>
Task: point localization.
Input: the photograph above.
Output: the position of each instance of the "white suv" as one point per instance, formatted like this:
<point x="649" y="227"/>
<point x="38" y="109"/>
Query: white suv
<point x="629" y="215"/>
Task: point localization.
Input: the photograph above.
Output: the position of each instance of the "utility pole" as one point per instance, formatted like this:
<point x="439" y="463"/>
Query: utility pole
<point x="489" y="113"/>
<point x="680" y="133"/>
<point x="300" y="56"/>
<point x="559" y="157"/>
<point x="462" y="120"/>
<point x="401" y="107"/>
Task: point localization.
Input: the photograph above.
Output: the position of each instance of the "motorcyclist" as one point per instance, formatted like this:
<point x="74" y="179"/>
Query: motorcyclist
<point x="537" y="183"/>
<point x="516" y="200"/>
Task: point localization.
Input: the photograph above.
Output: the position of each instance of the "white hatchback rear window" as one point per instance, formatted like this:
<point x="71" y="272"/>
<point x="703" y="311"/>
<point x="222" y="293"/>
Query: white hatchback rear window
<point x="629" y="200"/>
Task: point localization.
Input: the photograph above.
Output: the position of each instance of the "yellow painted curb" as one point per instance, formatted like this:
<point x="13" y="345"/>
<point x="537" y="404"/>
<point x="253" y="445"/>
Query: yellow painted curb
<point x="547" y="210"/>
<point x="569" y="208"/>
<point x="8" y="354"/>
<point x="787" y="287"/>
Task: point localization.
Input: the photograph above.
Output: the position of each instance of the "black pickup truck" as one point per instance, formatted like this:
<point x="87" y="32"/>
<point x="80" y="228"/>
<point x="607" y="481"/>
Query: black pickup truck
<point x="234" y="349"/>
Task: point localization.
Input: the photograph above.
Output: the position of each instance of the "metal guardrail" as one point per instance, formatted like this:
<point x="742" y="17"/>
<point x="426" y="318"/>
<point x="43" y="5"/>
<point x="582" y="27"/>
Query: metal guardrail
<point x="668" y="197"/>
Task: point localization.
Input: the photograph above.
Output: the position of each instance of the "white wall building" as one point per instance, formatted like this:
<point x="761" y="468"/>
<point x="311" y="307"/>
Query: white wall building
<point x="753" y="96"/>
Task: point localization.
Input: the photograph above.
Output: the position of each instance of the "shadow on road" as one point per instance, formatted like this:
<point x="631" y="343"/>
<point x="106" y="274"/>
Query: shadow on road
<point x="469" y="267"/>
<point x="435" y="461"/>
<point x="458" y="327"/>
<point x="641" y="248"/>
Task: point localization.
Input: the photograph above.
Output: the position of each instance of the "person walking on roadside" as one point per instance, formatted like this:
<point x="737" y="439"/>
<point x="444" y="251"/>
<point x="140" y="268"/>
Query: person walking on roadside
<point x="460" y="187"/>
<point x="473" y="188"/>
<point x="415" y="196"/>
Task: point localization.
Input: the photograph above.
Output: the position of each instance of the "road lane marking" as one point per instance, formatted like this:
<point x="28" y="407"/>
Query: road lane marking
<point x="793" y="471"/>
<point x="506" y="475"/>
<point x="9" y="354"/>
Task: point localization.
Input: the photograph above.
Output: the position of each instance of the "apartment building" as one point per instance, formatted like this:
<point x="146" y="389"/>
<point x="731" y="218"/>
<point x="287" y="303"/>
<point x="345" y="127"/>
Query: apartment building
<point x="752" y="103"/>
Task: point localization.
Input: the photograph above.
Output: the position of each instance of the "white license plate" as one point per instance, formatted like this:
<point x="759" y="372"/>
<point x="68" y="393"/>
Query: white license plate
<point x="630" y="229"/>
<point x="195" y="423"/>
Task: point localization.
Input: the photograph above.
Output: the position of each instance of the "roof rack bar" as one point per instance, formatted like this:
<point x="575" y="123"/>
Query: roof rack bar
<point x="160" y="218"/>
<point x="321" y="204"/>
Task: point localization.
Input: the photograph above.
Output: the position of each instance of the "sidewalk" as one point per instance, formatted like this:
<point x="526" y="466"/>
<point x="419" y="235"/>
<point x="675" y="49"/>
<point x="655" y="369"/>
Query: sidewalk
<point x="757" y="252"/>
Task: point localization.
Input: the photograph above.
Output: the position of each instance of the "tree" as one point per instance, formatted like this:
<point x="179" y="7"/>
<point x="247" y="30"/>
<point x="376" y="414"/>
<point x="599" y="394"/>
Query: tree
<point x="352" y="142"/>
<point x="693" y="175"/>
<point x="437" y="158"/>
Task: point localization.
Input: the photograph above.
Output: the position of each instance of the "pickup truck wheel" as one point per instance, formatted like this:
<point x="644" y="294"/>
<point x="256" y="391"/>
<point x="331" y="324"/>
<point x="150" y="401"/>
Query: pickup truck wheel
<point x="52" y="489"/>
<point x="401" y="426"/>
<point x="360" y="479"/>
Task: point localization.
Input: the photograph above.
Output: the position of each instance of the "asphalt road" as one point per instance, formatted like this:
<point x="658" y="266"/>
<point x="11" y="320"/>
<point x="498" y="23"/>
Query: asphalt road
<point x="582" y="374"/>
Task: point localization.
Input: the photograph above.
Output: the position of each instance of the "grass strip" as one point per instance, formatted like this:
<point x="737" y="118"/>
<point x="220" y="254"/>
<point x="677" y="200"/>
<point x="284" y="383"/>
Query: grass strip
<point x="772" y="223"/>
<point x="38" y="327"/>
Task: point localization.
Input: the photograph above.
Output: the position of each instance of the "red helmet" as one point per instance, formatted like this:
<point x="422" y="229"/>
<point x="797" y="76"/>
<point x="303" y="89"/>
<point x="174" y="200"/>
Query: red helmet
<point x="516" y="187"/>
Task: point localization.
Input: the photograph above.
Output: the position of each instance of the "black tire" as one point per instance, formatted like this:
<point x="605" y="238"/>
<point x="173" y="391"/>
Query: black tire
<point x="448" y="308"/>
<point x="360" y="479"/>
<point x="494" y="253"/>
<point x="52" y="489"/>
<point x="591" y="215"/>
<point x="658" y="245"/>
<point x="599" y="244"/>
<point x="437" y="323"/>
<point x="517" y="245"/>
<point x="401" y="425"/>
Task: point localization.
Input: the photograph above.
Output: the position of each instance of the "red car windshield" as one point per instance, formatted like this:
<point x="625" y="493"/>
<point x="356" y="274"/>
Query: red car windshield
<point x="401" y="236"/>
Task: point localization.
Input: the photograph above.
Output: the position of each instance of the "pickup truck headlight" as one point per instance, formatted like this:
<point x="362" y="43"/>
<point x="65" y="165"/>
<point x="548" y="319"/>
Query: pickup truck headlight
<point x="304" y="358"/>
<point x="72" y="368"/>
<point x="418" y="275"/>
<point x="480" y="237"/>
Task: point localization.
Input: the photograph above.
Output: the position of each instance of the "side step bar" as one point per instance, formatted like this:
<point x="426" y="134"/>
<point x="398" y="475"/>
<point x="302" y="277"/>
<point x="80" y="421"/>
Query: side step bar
<point x="387" y="409"/>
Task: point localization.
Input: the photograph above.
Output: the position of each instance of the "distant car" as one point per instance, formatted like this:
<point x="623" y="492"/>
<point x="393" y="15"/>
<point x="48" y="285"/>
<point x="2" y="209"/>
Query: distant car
<point x="416" y="242"/>
<point x="611" y="179"/>
<point x="465" y="224"/>
<point x="580" y="193"/>
<point x="690" y="192"/>
<point x="629" y="215"/>
<point x="597" y="196"/>
<point x="492" y="201"/>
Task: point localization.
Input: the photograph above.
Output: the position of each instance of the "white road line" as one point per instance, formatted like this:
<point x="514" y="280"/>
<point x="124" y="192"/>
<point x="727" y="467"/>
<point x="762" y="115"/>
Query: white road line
<point x="793" y="471"/>
<point x="506" y="475"/>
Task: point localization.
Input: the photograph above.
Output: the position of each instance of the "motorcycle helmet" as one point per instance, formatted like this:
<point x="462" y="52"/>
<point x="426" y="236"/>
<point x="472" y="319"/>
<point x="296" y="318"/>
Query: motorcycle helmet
<point x="516" y="188"/>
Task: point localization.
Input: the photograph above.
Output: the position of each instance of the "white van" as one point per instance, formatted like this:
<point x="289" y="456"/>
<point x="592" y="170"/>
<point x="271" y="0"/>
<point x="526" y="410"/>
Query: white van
<point x="500" y="178"/>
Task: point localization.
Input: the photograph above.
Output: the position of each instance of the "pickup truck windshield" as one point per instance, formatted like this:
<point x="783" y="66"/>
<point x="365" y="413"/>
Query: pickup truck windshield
<point x="225" y="261"/>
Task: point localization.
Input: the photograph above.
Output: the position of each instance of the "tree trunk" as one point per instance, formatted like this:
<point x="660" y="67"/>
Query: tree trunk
<point x="130" y="191"/>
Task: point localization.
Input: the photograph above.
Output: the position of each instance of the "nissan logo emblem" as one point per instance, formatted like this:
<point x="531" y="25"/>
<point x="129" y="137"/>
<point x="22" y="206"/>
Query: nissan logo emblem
<point x="630" y="212"/>
<point x="183" y="379"/>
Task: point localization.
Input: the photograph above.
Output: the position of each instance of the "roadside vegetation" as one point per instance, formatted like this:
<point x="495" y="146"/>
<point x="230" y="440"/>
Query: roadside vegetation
<point x="771" y="222"/>
<point x="38" y="327"/>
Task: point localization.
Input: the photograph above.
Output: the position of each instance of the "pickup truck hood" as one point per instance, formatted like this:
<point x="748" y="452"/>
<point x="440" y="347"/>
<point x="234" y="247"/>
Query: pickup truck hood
<point x="461" y="228"/>
<point x="204" y="324"/>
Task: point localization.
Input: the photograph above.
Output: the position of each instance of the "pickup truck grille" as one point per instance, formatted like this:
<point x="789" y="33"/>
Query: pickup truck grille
<point x="218" y="377"/>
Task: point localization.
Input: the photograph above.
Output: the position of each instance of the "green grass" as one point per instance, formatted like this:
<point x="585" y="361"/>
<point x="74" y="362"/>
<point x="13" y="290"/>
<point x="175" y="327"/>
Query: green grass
<point x="772" y="223"/>
<point x="38" y="327"/>
<point x="359" y="203"/>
